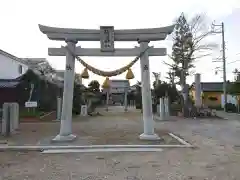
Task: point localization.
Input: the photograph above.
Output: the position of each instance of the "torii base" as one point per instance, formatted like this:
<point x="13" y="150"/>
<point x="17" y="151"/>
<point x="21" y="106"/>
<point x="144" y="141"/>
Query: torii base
<point x="68" y="138"/>
<point x="152" y="137"/>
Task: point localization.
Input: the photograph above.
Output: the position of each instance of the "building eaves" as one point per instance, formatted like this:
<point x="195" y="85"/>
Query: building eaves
<point x="4" y="53"/>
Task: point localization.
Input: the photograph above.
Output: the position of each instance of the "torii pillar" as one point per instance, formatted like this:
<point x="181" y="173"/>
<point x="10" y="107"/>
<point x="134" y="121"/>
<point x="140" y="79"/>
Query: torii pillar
<point x="65" y="133"/>
<point x="148" y="123"/>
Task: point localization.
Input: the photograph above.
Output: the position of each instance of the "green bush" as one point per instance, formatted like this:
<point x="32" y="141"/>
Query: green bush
<point x="44" y="92"/>
<point x="176" y="107"/>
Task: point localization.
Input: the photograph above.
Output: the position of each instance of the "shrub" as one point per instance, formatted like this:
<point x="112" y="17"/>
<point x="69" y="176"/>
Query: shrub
<point x="154" y="108"/>
<point x="138" y="106"/>
<point x="77" y="99"/>
<point x="175" y="108"/>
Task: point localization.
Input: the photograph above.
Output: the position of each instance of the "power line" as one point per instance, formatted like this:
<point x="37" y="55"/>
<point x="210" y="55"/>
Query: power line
<point x="233" y="61"/>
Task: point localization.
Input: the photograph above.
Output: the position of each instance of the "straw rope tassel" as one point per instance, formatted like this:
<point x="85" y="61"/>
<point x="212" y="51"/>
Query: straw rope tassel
<point x="106" y="83"/>
<point x="116" y="72"/>
<point x="85" y="74"/>
<point x="129" y="74"/>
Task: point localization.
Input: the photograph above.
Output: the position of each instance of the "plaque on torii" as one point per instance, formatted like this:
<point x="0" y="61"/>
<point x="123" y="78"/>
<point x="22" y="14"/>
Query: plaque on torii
<point x="107" y="38"/>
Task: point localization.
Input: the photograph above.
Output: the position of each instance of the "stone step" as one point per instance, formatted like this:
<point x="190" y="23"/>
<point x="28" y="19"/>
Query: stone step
<point x="43" y="148"/>
<point x="60" y="151"/>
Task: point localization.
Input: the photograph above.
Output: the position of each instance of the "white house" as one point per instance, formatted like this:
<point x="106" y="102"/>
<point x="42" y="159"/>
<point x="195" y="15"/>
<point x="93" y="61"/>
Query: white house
<point x="11" y="67"/>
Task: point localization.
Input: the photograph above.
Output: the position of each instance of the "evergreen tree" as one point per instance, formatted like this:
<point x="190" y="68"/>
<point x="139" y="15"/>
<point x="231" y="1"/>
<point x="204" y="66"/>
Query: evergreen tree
<point x="162" y="88"/>
<point x="182" y="50"/>
<point x="188" y="45"/>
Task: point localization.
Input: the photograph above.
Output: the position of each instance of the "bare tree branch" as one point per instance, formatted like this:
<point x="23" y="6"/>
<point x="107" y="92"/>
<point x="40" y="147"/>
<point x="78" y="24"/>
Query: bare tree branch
<point x="164" y="62"/>
<point x="201" y="56"/>
<point x="190" y="43"/>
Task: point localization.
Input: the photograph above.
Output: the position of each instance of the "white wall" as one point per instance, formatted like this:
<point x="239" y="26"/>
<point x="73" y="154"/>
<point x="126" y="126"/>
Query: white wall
<point x="230" y="99"/>
<point x="9" y="68"/>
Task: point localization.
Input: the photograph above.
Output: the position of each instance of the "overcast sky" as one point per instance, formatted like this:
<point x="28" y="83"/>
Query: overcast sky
<point x="20" y="35"/>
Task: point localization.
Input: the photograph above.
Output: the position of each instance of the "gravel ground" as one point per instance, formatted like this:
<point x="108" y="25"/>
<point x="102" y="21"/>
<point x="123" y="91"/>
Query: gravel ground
<point x="169" y="164"/>
<point x="217" y="157"/>
<point x="99" y="130"/>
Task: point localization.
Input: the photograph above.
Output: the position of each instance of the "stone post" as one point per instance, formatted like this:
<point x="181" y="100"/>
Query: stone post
<point x="148" y="122"/>
<point x="14" y="116"/>
<point x="107" y="100"/>
<point x="59" y="108"/>
<point x="166" y="107"/>
<point x="10" y="120"/>
<point x="125" y="99"/>
<point x="6" y="124"/>
<point x="198" y="99"/>
<point x="162" y="111"/>
<point x="158" y="109"/>
<point x="66" y="116"/>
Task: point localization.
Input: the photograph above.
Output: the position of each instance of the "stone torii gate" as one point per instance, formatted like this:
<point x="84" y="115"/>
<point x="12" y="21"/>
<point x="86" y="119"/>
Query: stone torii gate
<point x="106" y="35"/>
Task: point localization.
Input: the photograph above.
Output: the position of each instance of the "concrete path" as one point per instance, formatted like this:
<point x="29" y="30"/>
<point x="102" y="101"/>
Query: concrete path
<point x="228" y="116"/>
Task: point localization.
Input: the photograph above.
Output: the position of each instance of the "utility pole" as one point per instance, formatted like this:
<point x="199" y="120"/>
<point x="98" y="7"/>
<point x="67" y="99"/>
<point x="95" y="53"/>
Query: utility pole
<point x="223" y="58"/>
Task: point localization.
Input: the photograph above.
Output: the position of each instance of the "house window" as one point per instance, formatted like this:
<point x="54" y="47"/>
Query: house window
<point x="20" y="69"/>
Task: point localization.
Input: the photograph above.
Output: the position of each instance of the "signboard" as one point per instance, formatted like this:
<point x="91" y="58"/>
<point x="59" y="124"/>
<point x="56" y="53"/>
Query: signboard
<point x="107" y="38"/>
<point x="30" y="104"/>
